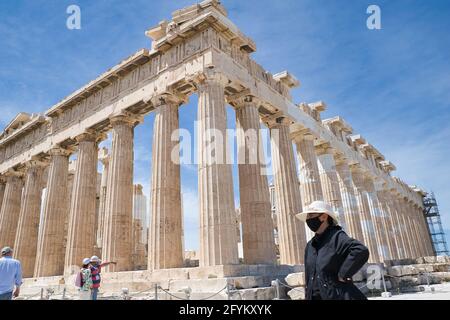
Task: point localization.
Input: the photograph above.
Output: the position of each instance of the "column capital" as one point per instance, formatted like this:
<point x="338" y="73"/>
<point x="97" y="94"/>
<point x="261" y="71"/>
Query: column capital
<point x="299" y="134"/>
<point x="126" y="118"/>
<point x="324" y="148"/>
<point x="340" y="159"/>
<point x="87" y="136"/>
<point x="244" y="99"/>
<point x="277" y="120"/>
<point x="36" y="162"/>
<point x="209" y="76"/>
<point x="60" y="151"/>
<point x="13" y="173"/>
<point x="168" y="98"/>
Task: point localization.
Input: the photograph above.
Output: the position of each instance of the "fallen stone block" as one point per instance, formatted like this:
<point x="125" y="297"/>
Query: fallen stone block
<point x="424" y="267"/>
<point x="420" y="260"/>
<point x="296" y="279"/>
<point x="444" y="276"/>
<point x="409" y="270"/>
<point x="395" y="271"/>
<point x="405" y="281"/>
<point x="430" y="259"/>
<point x="429" y="279"/>
<point x="442" y="259"/>
<point x="441" y="267"/>
<point x="297" y="293"/>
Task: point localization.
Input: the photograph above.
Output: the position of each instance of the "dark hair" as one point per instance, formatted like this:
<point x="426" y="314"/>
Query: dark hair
<point x="331" y="221"/>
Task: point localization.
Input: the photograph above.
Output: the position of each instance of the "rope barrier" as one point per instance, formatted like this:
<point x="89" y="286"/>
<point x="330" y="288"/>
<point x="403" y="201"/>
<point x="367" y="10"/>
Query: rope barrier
<point x="171" y="294"/>
<point x="215" y="294"/>
<point x="287" y="286"/>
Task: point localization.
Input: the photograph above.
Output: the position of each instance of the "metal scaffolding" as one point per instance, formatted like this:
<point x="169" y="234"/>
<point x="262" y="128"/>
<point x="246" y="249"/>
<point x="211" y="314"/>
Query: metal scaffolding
<point x="434" y="223"/>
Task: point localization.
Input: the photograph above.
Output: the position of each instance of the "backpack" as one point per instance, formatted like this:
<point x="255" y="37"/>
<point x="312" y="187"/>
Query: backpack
<point x="79" y="280"/>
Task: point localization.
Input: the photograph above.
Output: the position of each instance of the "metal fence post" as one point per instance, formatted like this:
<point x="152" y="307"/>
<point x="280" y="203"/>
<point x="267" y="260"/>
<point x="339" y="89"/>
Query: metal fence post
<point x="384" y="294"/>
<point x="276" y="283"/>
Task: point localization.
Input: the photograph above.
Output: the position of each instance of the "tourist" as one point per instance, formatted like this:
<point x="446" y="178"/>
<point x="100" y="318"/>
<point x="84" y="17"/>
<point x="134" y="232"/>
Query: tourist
<point x="10" y="275"/>
<point x="84" y="280"/>
<point x="331" y="257"/>
<point x="96" y="268"/>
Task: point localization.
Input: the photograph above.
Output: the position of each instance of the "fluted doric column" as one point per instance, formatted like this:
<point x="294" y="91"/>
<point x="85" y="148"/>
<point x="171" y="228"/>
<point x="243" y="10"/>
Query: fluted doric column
<point x="309" y="176"/>
<point x="398" y="226"/>
<point x="25" y="246"/>
<point x="349" y="203"/>
<point x="291" y="231"/>
<point x="81" y="227"/>
<point x="370" y="238"/>
<point x="119" y="196"/>
<point x="388" y="221"/>
<point x="418" y="236"/>
<point x="378" y="217"/>
<point x="2" y="190"/>
<point x="405" y="227"/>
<point x="412" y="240"/>
<point x="50" y="252"/>
<point x="166" y="225"/>
<point x="329" y="179"/>
<point x="10" y="210"/>
<point x="423" y="226"/>
<point x="218" y="238"/>
<point x="256" y="217"/>
<point x="104" y="159"/>
<point x="430" y="247"/>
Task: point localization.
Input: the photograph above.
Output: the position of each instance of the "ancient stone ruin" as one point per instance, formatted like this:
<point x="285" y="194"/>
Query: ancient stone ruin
<point x="200" y="51"/>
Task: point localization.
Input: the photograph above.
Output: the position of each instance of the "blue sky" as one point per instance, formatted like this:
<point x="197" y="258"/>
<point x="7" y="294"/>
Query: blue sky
<point x="392" y="85"/>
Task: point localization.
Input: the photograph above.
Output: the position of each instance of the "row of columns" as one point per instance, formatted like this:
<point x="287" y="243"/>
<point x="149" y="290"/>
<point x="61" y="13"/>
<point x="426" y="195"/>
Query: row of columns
<point x="389" y="225"/>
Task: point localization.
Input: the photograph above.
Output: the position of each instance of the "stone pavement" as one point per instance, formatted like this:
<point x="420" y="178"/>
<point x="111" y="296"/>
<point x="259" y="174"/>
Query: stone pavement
<point x="442" y="292"/>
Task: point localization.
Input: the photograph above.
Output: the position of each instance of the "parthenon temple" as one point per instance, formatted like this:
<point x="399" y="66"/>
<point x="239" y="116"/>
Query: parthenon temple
<point x="54" y="217"/>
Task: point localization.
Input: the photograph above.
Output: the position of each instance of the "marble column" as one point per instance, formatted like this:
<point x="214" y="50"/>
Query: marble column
<point x="310" y="184"/>
<point x="291" y="231"/>
<point x="420" y="245"/>
<point x="10" y="210"/>
<point x="399" y="227"/>
<point x="423" y="227"/>
<point x="367" y="224"/>
<point x="388" y="222"/>
<point x="256" y="216"/>
<point x="25" y="245"/>
<point x="81" y="227"/>
<point x="424" y="230"/>
<point x="413" y="241"/>
<point x="2" y="190"/>
<point x="218" y="239"/>
<point x="329" y="180"/>
<point x="104" y="159"/>
<point x="377" y="216"/>
<point x="406" y="231"/>
<point x="50" y="247"/>
<point x="116" y="245"/>
<point x="349" y="203"/>
<point x="166" y="224"/>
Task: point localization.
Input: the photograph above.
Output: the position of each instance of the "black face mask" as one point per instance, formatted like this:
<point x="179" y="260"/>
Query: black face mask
<point x="314" y="223"/>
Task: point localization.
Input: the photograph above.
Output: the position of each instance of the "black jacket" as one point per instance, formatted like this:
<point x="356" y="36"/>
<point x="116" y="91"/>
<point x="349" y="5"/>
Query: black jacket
<point x="329" y="256"/>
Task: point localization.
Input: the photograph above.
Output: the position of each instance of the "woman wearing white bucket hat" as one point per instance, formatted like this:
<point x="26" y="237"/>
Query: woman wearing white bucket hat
<point x="331" y="256"/>
<point x="84" y="280"/>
